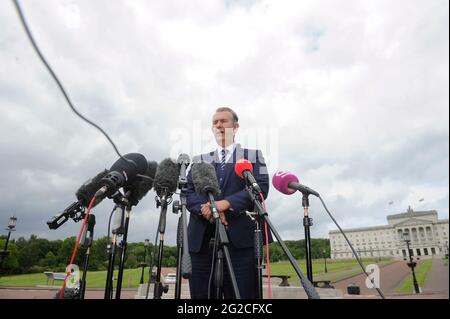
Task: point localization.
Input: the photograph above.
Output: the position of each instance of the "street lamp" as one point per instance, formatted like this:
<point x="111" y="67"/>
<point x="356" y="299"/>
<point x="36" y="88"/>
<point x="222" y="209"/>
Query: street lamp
<point x="325" y="258"/>
<point x="146" y="243"/>
<point x="412" y="264"/>
<point x="11" y="227"/>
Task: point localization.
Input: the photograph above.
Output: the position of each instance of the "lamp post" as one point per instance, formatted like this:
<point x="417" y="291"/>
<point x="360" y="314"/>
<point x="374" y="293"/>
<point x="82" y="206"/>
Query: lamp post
<point x="412" y="264"/>
<point x="11" y="227"/>
<point x="325" y="259"/>
<point x="146" y="242"/>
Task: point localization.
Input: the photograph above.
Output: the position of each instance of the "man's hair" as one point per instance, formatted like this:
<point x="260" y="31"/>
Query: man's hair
<point x="227" y="109"/>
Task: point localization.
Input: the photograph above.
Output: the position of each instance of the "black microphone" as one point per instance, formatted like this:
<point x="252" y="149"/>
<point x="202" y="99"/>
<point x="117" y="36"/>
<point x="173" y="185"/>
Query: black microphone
<point x="205" y="179"/>
<point x="84" y="195"/>
<point x="183" y="162"/>
<point x="142" y="185"/>
<point x="206" y="184"/>
<point x="122" y="173"/>
<point x="86" y="191"/>
<point x="166" y="178"/>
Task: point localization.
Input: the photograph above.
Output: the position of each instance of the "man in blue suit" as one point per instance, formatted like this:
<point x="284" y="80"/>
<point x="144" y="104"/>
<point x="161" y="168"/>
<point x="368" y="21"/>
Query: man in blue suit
<point x="232" y="204"/>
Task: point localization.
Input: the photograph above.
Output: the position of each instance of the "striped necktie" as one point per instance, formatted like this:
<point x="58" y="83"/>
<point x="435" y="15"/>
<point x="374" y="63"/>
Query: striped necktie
<point x="222" y="162"/>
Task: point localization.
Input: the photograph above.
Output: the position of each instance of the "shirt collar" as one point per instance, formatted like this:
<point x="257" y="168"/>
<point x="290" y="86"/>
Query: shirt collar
<point x="229" y="149"/>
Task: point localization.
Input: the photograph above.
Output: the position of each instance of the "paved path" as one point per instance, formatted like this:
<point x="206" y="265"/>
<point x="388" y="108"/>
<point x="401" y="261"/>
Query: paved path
<point x="437" y="280"/>
<point x="390" y="277"/>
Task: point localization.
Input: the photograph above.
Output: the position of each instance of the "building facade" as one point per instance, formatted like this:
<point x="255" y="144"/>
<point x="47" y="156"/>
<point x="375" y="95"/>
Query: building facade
<point x="428" y="235"/>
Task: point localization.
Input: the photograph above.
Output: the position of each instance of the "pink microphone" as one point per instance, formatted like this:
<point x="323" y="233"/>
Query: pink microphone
<point x="287" y="183"/>
<point x="281" y="181"/>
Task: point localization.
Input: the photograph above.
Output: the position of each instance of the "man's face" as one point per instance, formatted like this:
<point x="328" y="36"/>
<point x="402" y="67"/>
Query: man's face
<point x="224" y="128"/>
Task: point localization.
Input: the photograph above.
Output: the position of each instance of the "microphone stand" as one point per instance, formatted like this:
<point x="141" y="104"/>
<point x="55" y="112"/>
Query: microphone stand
<point x="112" y="247"/>
<point x="220" y="251"/>
<point x="307" y="222"/>
<point x="258" y="248"/>
<point x="184" y="265"/>
<point x="87" y="242"/>
<point x="123" y="245"/>
<point x="307" y="285"/>
<point x="163" y="203"/>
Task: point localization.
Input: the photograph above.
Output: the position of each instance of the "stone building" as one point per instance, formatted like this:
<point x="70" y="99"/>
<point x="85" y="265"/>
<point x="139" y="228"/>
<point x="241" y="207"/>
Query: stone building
<point x="428" y="235"/>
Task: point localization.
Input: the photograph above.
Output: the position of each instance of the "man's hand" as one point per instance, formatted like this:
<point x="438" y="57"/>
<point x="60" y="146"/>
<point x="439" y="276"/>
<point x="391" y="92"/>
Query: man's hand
<point x="207" y="214"/>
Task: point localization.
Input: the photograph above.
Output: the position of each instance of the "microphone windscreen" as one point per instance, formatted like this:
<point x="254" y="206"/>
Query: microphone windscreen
<point x="89" y="188"/>
<point x="205" y="179"/>
<point x="166" y="177"/>
<point x="141" y="186"/>
<point x="281" y="180"/>
<point x="241" y="166"/>
<point x="128" y="168"/>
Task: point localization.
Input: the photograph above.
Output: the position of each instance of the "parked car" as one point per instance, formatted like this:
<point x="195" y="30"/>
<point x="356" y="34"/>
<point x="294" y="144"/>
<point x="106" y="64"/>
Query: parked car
<point x="171" y="278"/>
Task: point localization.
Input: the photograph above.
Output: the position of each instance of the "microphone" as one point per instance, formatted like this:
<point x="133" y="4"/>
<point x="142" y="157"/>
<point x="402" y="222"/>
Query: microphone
<point x="244" y="169"/>
<point x="122" y="173"/>
<point x="287" y="183"/>
<point x="140" y="187"/>
<point x="166" y="178"/>
<point x="205" y="179"/>
<point x="205" y="183"/>
<point x="84" y="195"/>
<point x="183" y="163"/>
<point x="86" y="191"/>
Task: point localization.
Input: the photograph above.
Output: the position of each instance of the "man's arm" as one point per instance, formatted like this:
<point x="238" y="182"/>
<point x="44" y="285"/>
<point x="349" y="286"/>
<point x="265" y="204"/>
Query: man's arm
<point x="240" y="201"/>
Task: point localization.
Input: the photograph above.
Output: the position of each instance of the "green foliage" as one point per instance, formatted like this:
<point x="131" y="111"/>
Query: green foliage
<point x="36" y="255"/>
<point x="320" y="248"/>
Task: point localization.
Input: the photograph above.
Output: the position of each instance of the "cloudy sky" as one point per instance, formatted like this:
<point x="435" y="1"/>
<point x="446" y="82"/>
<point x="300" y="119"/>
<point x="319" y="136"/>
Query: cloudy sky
<point x="351" y="96"/>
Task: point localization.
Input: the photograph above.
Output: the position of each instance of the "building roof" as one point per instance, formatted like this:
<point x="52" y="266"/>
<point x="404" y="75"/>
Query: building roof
<point x="411" y="213"/>
<point x="362" y="229"/>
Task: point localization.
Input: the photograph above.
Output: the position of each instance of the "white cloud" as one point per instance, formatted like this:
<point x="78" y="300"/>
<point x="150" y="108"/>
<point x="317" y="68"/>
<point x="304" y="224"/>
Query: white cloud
<point x="356" y="91"/>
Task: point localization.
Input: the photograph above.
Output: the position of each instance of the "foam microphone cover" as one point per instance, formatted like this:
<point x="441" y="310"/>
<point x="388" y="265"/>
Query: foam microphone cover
<point x="205" y="179"/>
<point x="89" y="188"/>
<point x="166" y="176"/>
<point x="241" y="166"/>
<point x="281" y="180"/>
<point x="128" y="169"/>
<point x="141" y="186"/>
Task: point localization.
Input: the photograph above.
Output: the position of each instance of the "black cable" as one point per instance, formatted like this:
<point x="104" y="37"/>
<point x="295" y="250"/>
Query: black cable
<point x="63" y="91"/>
<point x="351" y="247"/>
<point x="109" y="222"/>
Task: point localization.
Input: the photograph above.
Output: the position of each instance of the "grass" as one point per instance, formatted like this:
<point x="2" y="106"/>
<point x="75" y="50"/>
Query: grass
<point x="94" y="279"/>
<point x="422" y="270"/>
<point x="337" y="269"/>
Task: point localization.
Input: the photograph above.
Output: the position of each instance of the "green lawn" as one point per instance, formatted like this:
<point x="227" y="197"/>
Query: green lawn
<point x="337" y="269"/>
<point x="95" y="279"/>
<point x="422" y="270"/>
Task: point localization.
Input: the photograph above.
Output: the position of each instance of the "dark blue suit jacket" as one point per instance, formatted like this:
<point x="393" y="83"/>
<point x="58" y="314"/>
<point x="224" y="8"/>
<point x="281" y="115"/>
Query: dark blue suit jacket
<point x="240" y="226"/>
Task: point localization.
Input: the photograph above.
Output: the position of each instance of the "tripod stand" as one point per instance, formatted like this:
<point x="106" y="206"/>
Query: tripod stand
<point x="220" y="251"/>
<point x="163" y="203"/>
<point x="87" y="242"/>
<point x="120" y="228"/>
<point x="307" y="223"/>
<point x="184" y="264"/>
<point x="262" y="213"/>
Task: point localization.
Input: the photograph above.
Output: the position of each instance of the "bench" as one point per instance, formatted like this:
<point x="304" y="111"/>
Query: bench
<point x="54" y="276"/>
<point x="323" y="284"/>
<point x="284" y="279"/>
